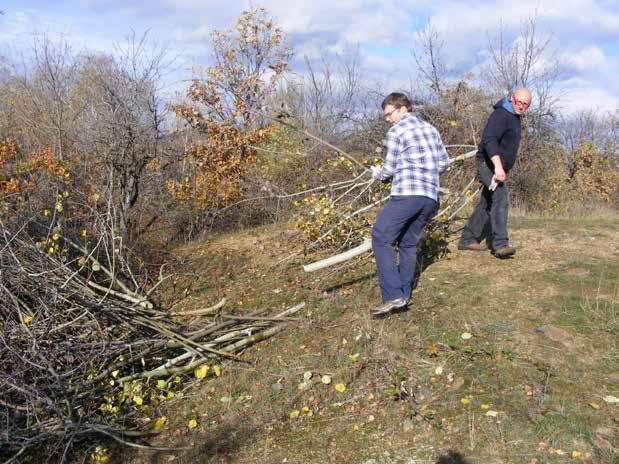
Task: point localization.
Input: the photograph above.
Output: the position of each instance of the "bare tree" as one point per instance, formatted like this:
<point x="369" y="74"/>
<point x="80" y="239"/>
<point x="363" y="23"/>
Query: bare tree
<point x="123" y="127"/>
<point x="428" y="55"/>
<point x="41" y="95"/>
<point x="328" y="97"/>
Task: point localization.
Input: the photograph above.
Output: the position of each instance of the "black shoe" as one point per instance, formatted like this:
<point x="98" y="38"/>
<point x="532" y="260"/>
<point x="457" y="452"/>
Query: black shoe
<point x="388" y="306"/>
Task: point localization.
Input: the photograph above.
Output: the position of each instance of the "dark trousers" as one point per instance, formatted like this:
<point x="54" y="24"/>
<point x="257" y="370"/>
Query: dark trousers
<point x="490" y="215"/>
<point x="401" y="221"/>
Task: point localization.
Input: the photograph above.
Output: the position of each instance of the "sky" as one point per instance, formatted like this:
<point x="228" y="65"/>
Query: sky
<point x="584" y="34"/>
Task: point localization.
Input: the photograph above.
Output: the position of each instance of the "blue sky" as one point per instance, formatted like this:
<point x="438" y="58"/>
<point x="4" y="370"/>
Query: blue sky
<point x="584" y="33"/>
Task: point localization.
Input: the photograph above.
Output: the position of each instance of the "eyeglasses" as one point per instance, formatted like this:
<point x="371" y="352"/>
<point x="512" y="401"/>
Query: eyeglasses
<point x="520" y="102"/>
<point x="387" y="115"/>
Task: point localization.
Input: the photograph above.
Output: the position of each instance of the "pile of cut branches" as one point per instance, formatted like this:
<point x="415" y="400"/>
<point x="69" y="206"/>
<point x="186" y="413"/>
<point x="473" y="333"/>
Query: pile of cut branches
<point x="335" y="218"/>
<point x="81" y="355"/>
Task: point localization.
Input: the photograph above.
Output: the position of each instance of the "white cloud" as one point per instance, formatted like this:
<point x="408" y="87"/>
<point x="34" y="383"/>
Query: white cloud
<point x="586" y="59"/>
<point x="583" y="94"/>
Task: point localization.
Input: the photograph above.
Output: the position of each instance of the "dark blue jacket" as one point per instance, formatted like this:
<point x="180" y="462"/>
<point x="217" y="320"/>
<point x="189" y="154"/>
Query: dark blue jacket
<point x="501" y="136"/>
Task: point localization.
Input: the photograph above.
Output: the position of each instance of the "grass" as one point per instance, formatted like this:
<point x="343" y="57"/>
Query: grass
<point x="416" y="391"/>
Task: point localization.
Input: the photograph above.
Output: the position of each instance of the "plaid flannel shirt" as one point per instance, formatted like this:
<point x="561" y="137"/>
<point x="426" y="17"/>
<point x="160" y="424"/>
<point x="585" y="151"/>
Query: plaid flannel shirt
<point x="415" y="158"/>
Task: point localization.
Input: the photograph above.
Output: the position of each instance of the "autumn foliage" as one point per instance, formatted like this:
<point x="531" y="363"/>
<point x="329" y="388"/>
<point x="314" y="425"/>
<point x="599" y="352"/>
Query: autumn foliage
<point x="224" y="105"/>
<point x="22" y="173"/>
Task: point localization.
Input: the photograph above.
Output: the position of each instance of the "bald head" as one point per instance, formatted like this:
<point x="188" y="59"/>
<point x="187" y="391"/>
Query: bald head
<point x="520" y="100"/>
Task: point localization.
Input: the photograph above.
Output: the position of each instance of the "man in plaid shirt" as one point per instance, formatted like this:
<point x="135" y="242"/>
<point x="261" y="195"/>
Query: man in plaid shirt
<point x="415" y="158"/>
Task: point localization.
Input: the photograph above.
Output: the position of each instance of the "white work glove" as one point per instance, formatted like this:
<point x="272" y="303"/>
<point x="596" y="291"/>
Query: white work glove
<point x="493" y="184"/>
<point x="375" y="171"/>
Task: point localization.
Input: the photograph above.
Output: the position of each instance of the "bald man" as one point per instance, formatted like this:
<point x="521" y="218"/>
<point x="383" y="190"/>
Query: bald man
<point x="496" y="156"/>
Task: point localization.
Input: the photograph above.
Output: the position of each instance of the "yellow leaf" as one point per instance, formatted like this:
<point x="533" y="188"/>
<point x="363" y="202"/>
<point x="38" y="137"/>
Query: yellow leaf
<point x="485" y="406"/>
<point x="200" y="372"/>
<point x="28" y="319"/>
<point x="294" y="414"/>
<point x="340" y="387"/>
<point x="216" y="370"/>
<point x="594" y="405"/>
<point x="138" y="400"/>
<point x="192" y="424"/>
<point x="355" y="428"/>
<point x="160" y="422"/>
<point x="576" y="454"/>
<point x="432" y="349"/>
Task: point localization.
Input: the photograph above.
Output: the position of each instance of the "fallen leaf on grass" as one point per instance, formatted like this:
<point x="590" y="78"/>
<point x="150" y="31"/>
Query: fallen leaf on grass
<point x="576" y="454"/>
<point x="340" y="387"/>
<point x="432" y="349"/>
<point x="542" y="446"/>
<point x="160" y="422"/>
<point x="201" y="371"/>
<point x="28" y="319"/>
<point x="294" y="414"/>
<point x="465" y="401"/>
<point x="594" y="405"/>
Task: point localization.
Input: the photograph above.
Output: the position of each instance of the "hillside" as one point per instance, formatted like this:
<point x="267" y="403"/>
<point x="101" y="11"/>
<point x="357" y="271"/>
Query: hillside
<point x="534" y="383"/>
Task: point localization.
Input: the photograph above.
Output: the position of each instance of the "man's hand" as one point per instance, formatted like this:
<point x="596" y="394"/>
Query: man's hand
<point x="499" y="172"/>
<point x="375" y="171"/>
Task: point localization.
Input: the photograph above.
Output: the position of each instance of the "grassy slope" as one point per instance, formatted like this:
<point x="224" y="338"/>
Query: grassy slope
<point x="397" y="407"/>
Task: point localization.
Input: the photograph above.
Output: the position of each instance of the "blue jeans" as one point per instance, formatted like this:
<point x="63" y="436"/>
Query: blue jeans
<point x="490" y="214"/>
<point x="401" y="221"/>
